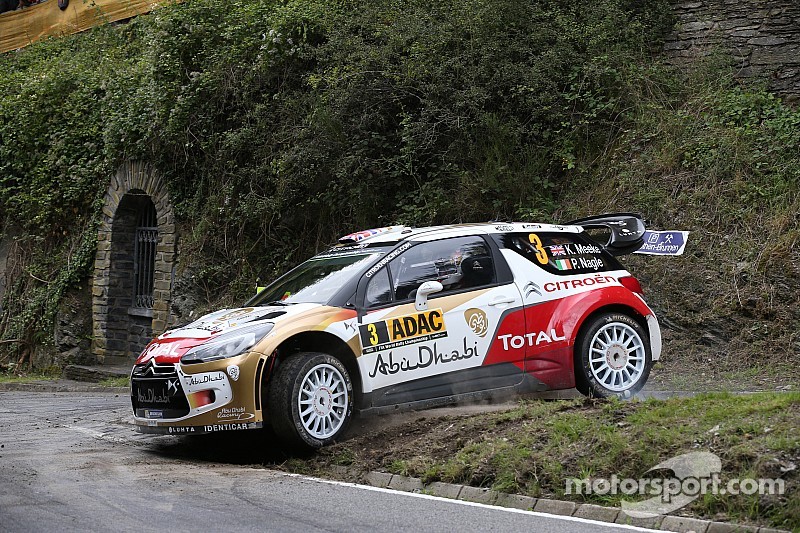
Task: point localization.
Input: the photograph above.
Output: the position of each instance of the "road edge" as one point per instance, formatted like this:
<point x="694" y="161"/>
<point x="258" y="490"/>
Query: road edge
<point x="587" y="511"/>
<point x="65" y="386"/>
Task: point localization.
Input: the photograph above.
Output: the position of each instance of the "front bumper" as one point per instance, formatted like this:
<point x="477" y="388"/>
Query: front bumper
<point x="196" y="430"/>
<point x="218" y="397"/>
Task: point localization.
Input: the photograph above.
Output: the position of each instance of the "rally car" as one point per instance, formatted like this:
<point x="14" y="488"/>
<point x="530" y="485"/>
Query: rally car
<point x="409" y="317"/>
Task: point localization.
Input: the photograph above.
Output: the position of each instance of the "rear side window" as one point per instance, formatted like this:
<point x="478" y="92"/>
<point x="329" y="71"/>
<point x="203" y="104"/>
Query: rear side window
<point x="459" y="264"/>
<point x="563" y="254"/>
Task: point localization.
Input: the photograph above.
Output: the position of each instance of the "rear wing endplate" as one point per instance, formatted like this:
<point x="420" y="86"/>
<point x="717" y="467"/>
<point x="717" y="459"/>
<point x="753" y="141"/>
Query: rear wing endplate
<point x="625" y="231"/>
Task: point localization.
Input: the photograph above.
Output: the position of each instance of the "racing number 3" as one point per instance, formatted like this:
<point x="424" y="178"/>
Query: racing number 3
<point x="373" y="334"/>
<point x="541" y="254"/>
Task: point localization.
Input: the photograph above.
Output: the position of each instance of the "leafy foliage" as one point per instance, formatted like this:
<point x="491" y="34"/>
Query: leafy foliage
<point x="280" y="125"/>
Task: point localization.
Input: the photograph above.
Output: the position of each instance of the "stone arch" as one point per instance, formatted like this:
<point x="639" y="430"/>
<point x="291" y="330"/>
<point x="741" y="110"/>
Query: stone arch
<point x="119" y="329"/>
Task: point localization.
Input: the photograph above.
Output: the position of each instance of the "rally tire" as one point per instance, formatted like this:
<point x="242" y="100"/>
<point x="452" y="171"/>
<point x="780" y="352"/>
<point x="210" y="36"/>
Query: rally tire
<point x="612" y="356"/>
<point x="310" y="400"/>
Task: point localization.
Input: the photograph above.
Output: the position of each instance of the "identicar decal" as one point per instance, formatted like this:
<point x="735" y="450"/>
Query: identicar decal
<point x="402" y="331"/>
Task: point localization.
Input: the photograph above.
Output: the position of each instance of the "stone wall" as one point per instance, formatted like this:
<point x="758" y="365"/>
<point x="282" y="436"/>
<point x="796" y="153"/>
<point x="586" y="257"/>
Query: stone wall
<point x="761" y="36"/>
<point x="118" y="329"/>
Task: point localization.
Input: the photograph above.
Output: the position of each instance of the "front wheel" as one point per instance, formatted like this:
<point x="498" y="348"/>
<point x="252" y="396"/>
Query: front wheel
<point x="310" y="400"/>
<point x="612" y="357"/>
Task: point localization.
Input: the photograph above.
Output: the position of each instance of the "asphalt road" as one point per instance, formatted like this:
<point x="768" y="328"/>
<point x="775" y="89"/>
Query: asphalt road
<point x="71" y="461"/>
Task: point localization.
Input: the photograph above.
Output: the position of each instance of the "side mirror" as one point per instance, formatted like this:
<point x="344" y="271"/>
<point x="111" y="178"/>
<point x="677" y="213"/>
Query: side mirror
<point x="429" y="287"/>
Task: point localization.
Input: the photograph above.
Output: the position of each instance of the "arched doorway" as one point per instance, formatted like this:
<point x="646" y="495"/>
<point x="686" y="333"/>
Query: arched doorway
<point x="134" y="264"/>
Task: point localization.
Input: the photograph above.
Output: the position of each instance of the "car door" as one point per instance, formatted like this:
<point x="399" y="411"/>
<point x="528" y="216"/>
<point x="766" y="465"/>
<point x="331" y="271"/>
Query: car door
<point x="410" y="355"/>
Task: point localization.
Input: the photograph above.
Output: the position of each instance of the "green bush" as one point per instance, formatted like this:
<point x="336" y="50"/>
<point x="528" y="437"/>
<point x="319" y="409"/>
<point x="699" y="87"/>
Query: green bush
<point x="280" y="125"/>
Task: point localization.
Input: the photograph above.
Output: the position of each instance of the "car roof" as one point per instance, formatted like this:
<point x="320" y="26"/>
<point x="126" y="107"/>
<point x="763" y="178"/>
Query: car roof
<point x="393" y="234"/>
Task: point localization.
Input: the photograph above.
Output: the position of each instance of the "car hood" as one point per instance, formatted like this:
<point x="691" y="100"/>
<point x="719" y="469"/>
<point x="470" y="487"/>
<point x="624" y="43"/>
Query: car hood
<point x="171" y="345"/>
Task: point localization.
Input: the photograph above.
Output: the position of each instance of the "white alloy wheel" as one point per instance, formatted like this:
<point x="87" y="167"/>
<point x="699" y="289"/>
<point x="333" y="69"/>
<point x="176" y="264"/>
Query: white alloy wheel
<point x="617" y="356"/>
<point x="323" y="401"/>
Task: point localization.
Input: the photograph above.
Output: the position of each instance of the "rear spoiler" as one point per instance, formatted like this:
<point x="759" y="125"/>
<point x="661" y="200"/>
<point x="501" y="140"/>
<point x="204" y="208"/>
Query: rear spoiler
<point x="626" y="231"/>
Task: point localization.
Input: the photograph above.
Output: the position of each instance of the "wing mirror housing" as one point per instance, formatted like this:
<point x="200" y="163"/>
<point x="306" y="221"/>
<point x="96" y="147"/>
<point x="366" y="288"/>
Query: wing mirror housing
<point x="426" y="289"/>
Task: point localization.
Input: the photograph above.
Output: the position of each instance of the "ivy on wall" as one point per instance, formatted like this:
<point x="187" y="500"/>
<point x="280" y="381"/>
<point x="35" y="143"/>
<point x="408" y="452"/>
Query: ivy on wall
<point x="280" y="125"/>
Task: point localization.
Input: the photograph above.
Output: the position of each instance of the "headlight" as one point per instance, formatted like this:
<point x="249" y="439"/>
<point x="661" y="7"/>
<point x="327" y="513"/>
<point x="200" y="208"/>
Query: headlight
<point x="228" y="344"/>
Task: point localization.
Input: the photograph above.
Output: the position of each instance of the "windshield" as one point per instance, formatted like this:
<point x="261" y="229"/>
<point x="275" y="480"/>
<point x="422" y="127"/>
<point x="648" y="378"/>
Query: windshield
<point x="315" y="281"/>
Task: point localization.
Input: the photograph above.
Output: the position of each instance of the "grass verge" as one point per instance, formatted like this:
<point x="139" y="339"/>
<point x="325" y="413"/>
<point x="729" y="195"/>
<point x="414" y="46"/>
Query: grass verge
<point x="28" y="377"/>
<point x="115" y="382"/>
<point x="537" y="446"/>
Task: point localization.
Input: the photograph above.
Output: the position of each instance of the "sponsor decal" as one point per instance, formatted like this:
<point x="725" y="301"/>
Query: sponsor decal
<point x="150" y="396"/>
<point x="165" y="349"/>
<point x="227" y="427"/>
<point x="233" y="372"/>
<point x="181" y="429"/>
<point x="234" y="413"/>
<point x="531" y="339"/>
<point x="504" y="227"/>
<point x="477" y="321"/>
<point x="153" y="413"/>
<point x="391" y="255"/>
<point x="426" y="356"/>
<point x="588" y="281"/>
<point x="663" y="242"/>
<point x="238" y="313"/>
<point x="342" y="250"/>
<point x="531" y="288"/>
<point x="403" y="330"/>
<point x="204" y="378"/>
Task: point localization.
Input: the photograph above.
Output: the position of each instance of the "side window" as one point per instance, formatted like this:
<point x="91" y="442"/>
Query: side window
<point x="561" y="253"/>
<point x="378" y="290"/>
<point x="460" y="263"/>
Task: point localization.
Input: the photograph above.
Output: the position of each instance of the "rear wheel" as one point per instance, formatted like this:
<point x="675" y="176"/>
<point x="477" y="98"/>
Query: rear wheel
<point x="310" y="400"/>
<point x="612" y="357"/>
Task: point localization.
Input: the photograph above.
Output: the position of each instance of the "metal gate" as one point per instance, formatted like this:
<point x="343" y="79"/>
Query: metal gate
<point x="144" y="258"/>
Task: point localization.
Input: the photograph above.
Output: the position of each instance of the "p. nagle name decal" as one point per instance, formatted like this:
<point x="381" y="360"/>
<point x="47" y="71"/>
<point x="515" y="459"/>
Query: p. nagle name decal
<point x="402" y="330"/>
